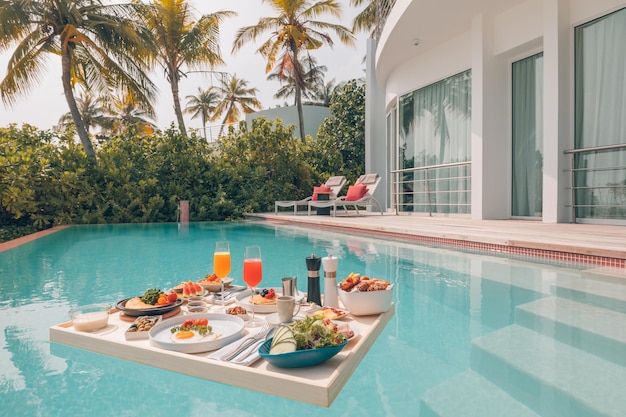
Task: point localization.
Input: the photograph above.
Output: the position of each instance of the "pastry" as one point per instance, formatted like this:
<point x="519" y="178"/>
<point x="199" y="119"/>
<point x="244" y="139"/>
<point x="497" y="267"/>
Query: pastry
<point x="350" y="282"/>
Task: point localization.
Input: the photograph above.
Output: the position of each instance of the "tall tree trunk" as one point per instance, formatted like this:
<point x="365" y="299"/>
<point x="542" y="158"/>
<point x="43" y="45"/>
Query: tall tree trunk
<point x="71" y="102"/>
<point x="177" y="109"/>
<point x="300" y="113"/>
<point x="299" y="82"/>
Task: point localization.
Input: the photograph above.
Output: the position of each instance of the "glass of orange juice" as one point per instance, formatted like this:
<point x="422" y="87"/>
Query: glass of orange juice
<point x="252" y="274"/>
<point x="221" y="263"/>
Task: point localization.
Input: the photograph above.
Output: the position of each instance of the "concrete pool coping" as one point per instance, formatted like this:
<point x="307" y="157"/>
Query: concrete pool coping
<point x="603" y="245"/>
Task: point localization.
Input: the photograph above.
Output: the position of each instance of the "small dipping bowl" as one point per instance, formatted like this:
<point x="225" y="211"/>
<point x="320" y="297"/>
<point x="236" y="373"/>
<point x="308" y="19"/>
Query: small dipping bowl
<point x="90" y="317"/>
<point x="197" y="307"/>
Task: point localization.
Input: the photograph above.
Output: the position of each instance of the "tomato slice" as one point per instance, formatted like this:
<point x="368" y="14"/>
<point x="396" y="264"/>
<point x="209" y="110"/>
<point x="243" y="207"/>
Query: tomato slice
<point x="201" y="322"/>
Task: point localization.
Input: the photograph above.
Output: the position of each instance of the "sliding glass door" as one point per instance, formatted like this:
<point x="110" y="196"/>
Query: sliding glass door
<point x="600" y="118"/>
<point x="527" y="136"/>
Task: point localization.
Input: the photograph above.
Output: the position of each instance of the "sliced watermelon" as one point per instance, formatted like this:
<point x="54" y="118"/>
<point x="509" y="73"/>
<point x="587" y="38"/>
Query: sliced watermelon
<point x="187" y="290"/>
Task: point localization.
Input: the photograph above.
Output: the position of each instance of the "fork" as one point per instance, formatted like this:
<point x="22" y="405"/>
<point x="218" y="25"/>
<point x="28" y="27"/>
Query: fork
<point x="247" y="343"/>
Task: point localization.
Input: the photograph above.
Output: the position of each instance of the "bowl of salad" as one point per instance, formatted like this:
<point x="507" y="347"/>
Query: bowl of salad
<point x="307" y="342"/>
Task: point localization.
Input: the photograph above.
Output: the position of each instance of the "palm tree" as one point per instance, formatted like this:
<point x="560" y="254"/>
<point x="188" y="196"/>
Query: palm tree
<point x="322" y="93"/>
<point x="313" y="77"/>
<point x="125" y="113"/>
<point x="294" y="30"/>
<point x="372" y="17"/>
<point x="99" y="44"/>
<point x="236" y="98"/>
<point x="182" y="41"/>
<point x="202" y="105"/>
<point x="91" y="112"/>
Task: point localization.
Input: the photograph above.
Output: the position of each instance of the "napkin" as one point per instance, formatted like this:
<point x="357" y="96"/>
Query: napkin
<point x="218" y="300"/>
<point x="245" y="358"/>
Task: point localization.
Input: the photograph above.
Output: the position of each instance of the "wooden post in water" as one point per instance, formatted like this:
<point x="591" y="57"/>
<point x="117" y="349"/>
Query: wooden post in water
<point x="183" y="206"/>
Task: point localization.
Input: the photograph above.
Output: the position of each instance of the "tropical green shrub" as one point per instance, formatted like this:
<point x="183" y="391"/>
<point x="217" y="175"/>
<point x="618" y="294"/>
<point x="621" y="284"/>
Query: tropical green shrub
<point x="340" y="145"/>
<point x="47" y="180"/>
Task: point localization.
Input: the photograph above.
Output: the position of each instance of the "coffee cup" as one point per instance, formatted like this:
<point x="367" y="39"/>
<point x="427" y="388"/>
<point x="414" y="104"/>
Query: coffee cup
<point x="287" y="308"/>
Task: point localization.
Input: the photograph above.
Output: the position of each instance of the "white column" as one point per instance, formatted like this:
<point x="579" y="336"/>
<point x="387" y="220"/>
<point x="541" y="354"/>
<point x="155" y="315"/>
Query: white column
<point x="375" y="132"/>
<point x="557" y="110"/>
<point x="491" y="143"/>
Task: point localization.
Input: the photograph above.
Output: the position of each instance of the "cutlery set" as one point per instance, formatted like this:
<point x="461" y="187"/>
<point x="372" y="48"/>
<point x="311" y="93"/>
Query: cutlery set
<point x="254" y="340"/>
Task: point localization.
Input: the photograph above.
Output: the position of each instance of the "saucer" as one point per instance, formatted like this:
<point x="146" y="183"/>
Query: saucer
<point x="273" y="319"/>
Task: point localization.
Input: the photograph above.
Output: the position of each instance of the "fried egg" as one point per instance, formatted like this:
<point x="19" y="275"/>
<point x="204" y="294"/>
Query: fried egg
<point x="187" y="336"/>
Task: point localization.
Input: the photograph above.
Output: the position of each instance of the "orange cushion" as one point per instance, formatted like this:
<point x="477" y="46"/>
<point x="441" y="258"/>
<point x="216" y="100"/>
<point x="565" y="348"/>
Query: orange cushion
<point x="320" y="189"/>
<point x="356" y="192"/>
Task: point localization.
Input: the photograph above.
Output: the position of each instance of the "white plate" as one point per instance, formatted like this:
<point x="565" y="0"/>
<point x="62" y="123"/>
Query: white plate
<point x="355" y="331"/>
<point x="242" y="300"/>
<point x="225" y="329"/>
<point x="182" y="297"/>
<point x="340" y="312"/>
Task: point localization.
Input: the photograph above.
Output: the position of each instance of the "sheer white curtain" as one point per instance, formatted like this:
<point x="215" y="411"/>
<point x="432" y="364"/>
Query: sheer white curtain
<point x="527" y="135"/>
<point x="438" y="132"/>
<point x="601" y="115"/>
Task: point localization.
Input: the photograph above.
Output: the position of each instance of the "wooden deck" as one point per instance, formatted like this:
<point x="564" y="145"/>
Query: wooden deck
<point x="567" y="240"/>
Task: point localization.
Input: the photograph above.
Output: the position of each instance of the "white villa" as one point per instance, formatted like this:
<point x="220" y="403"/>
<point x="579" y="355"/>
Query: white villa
<point x="500" y="109"/>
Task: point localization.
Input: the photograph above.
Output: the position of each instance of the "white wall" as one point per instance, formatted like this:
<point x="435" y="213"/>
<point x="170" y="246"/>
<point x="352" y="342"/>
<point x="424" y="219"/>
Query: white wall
<point x="487" y="36"/>
<point x="313" y="117"/>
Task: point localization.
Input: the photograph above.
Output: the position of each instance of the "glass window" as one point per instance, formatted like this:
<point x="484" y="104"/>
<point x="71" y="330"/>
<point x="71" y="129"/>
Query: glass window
<point x="600" y="102"/>
<point x="527" y="136"/>
<point x="435" y="130"/>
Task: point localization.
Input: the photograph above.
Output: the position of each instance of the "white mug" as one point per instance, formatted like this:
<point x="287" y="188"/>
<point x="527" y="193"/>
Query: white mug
<point x="287" y="308"/>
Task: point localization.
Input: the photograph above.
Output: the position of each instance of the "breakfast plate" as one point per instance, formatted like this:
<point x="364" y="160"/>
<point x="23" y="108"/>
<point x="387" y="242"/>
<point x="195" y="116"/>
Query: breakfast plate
<point x="332" y="313"/>
<point x="154" y="311"/>
<point x="243" y="301"/>
<point x="225" y="329"/>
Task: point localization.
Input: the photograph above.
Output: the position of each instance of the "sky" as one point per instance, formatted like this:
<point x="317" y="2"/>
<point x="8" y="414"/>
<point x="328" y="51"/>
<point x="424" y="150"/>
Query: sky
<point x="45" y="103"/>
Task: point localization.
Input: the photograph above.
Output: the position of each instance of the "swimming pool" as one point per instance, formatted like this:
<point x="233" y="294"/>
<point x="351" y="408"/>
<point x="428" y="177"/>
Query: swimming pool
<point x="457" y="316"/>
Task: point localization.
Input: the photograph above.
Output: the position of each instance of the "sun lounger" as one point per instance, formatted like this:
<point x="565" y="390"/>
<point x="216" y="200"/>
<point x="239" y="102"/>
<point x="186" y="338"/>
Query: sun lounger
<point x="359" y="194"/>
<point x="335" y="184"/>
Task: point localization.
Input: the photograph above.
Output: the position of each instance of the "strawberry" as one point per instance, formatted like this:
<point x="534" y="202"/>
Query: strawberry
<point x="171" y="297"/>
<point x="270" y="294"/>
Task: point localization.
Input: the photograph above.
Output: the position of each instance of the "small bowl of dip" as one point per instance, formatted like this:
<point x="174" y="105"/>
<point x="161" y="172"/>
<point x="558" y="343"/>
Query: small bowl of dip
<point x="89" y="318"/>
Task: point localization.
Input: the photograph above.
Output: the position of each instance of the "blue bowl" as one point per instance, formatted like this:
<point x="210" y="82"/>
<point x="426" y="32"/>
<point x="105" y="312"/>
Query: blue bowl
<point x="299" y="358"/>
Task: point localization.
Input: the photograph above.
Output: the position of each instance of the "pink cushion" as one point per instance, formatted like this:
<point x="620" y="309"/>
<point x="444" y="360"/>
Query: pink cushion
<point x="356" y="192"/>
<point x="320" y="189"/>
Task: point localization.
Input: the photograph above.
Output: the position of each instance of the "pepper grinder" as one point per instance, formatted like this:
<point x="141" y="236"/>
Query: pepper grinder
<point x="313" y="266"/>
<point x="330" y="281"/>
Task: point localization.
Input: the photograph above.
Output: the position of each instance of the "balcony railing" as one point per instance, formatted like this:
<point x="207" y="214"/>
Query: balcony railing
<point x="598" y="181"/>
<point x="444" y="189"/>
<point x="212" y="133"/>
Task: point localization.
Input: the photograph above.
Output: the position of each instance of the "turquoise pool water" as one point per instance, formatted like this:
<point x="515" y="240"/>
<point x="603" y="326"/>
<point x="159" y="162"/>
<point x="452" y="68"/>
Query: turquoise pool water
<point x="444" y="300"/>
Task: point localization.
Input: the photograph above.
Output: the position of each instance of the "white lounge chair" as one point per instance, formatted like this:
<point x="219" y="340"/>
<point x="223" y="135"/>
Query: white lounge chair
<point x="369" y="180"/>
<point x="335" y="183"/>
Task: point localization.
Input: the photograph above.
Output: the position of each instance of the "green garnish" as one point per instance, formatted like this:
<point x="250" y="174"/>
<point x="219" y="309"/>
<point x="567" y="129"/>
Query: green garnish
<point x="151" y="296"/>
<point x="202" y="330"/>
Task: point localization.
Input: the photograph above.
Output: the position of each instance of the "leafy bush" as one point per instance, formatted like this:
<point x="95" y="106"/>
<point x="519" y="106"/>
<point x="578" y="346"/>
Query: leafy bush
<point x="46" y="179"/>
